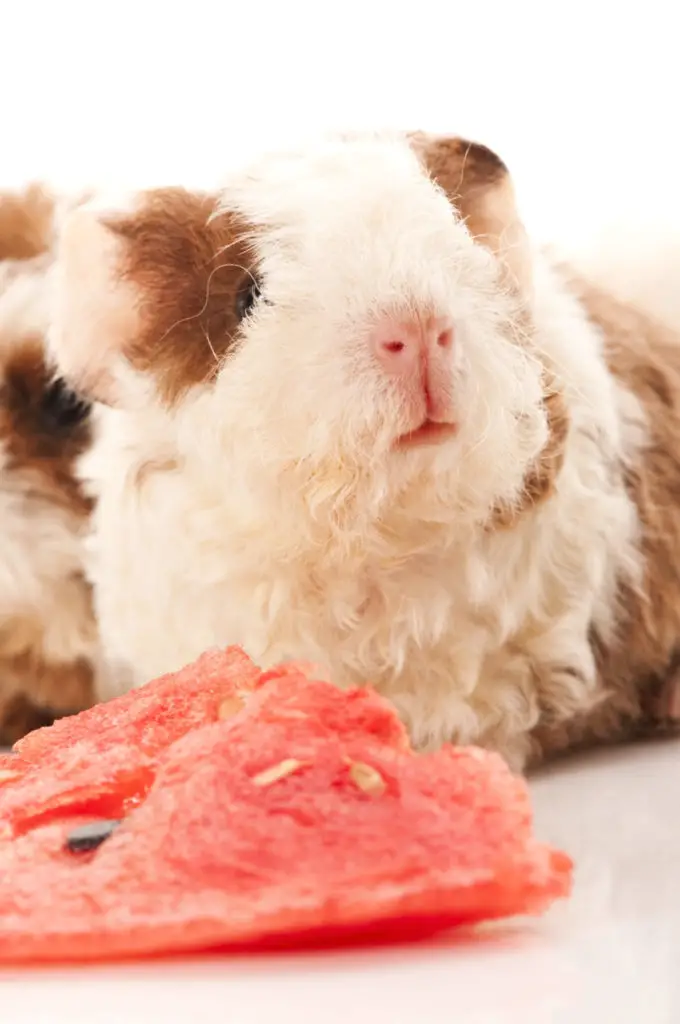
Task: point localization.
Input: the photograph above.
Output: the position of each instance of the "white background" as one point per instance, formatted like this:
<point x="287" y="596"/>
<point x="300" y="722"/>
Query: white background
<point x="581" y="101"/>
<point x="579" y="98"/>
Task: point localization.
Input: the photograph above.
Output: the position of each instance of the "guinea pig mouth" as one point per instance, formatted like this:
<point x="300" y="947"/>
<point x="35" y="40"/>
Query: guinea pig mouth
<point x="427" y="434"/>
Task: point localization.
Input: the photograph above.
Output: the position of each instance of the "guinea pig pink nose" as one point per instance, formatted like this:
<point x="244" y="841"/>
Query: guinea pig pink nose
<point x="403" y="347"/>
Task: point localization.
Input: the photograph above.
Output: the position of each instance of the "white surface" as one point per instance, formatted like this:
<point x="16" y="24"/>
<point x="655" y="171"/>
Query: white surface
<point x="611" y="954"/>
<point x="580" y="99"/>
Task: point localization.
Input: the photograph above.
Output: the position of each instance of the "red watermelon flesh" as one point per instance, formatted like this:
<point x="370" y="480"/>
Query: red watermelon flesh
<point x="8" y="766"/>
<point x="302" y="815"/>
<point x="154" y="715"/>
<point x="131" y="730"/>
<point x="73" y="777"/>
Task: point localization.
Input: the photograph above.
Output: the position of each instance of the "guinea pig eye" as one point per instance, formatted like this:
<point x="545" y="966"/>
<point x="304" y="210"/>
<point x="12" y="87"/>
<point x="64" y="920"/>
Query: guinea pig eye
<point x="62" y="406"/>
<point x="247" y="297"/>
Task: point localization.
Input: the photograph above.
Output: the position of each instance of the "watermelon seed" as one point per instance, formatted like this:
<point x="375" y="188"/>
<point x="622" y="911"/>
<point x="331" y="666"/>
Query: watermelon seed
<point x="89" y="837"/>
<point x="367" y="778"/>
<point x="230" y="707"/>
<point x="277" y="771"/>
<point x="7" y="776"/>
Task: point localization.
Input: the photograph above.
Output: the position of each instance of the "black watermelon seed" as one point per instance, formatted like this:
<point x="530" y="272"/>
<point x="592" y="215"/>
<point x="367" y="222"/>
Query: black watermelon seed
<point x="89" y="837"/>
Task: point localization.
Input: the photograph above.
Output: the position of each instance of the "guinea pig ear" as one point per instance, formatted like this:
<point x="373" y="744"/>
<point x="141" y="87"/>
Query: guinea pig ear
<point x="150" y="285"/>
<point x="479" y="186"/>
<point x="95" y="309"/>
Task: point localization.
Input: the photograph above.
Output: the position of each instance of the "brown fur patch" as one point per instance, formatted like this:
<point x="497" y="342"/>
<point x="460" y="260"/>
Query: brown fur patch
<point x="25" y="223"/>
<point x="641" y="668"/>
<point x="540" y="481"/>
<point x="189" y="271"/>
<point x="34" y="690"/>
<point x="461" y="168"/>
<point x="19" y="716"/>
<point x="43" y="427"/>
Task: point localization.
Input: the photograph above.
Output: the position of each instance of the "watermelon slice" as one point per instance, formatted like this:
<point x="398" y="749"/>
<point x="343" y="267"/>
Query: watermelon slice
<point x="221" y="807"/>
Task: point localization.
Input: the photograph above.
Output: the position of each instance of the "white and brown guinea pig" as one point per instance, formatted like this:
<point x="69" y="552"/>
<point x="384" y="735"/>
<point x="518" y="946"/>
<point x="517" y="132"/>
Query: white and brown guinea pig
<point x="48" y="638"/>
<point x="348" y="414"/>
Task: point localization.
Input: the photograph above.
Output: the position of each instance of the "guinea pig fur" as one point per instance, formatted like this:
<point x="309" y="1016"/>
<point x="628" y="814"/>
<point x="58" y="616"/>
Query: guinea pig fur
<point x="346" y="413"/>
<point x="49" y="653"/>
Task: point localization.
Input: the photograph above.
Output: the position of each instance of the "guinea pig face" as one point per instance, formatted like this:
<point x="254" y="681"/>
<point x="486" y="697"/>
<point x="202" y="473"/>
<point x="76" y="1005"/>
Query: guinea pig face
<point x="350" y="305"/>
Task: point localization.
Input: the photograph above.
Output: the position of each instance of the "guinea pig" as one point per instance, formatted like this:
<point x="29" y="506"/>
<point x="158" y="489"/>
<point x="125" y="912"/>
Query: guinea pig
<point x="49" y="653"/>
<point x="346" y="412"/>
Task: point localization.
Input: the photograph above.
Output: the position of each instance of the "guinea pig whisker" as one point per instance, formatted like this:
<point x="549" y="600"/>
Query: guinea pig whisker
<point x="239" y="240"/>
<point x="210" y="344"/>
